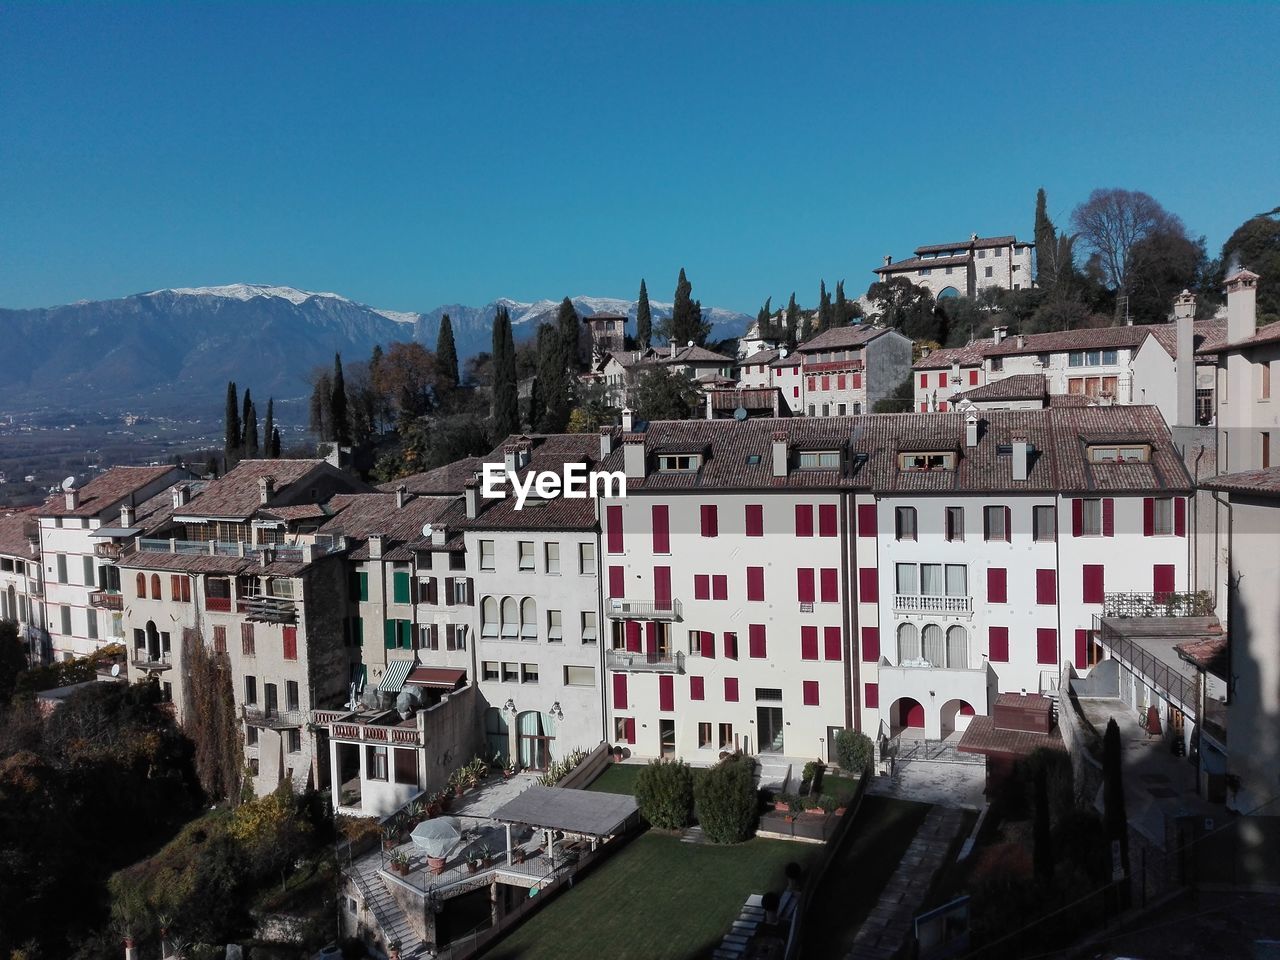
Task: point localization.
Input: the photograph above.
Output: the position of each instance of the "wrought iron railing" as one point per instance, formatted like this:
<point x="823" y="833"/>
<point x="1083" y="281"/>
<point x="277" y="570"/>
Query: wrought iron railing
<point x="1169" y="682"/>
<point x="146" y="660"/>
<point x="637" y="660"/>
<point x="264" y="717"/>
<point x="646" y="609"/>
<point x="106" y="600"/>
<point x="1172" y="604"/>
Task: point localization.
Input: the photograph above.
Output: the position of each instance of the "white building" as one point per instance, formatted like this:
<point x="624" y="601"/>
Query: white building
<point x="21" y="587"/>
<point x="964" y="268"/>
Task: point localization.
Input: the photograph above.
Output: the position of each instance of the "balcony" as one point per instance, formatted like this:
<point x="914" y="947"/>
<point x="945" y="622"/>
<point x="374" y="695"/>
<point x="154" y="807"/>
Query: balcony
<point x="106" y="600"/>
<point x="376" y="733"/>
<point x="272" y="718"/>
<point x="151" y="661"/>
<point x="108" y="550"/>
<point x="270" y="610"/>
<point x="833" y="366"/>
<point x="947" y="606"/>
<point x="635" y="661"/>
<point x="1175" y="604"/>
<point x="218" y="604"/>
<point x="645" y="609"/>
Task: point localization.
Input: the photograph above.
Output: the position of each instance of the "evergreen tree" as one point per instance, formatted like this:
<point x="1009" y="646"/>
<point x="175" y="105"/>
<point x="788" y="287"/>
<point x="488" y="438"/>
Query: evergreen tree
<point x="1042" y="840"/>
<point x="247" y="412"/>
<point x="552" y="410"/>
<point x="381" y="402"/>
<point x="825" y="321"/>
<point x="339" y="422"/>
<point x="842" y="306"/>
<point x="319" y="408"/>
<point x="1046" y="238"/>
<point x="764" y="320"/>
<point x="506" y="402"/>
<point x="269" y="427"/>
<point x="644" y="318"/>
<point x="793" y="322"/>
<point x="686" y="323"/>
<point x="1115" y="821"/>
<point x="231" y="447"/>
<point x="446" y="355"/>
<point x="806" y="327"/>
<point x="211" y="467"/>
<point x="274" y="450"/>
<point x="250" y="431"/>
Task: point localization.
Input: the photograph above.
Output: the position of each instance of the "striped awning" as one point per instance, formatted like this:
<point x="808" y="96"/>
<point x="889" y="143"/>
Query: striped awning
<point x="394" y="676"/>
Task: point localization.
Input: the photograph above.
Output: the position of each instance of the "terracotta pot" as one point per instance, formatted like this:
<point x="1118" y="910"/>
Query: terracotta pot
<point x="789" y="818"/>
<point x="472" y="866"/>
<point x="839" y="811"/>
<point x="459" y="790"/>
<point x="781" y="806"/>
<point x="436" y="865"/>
<point x="816" y="810"/>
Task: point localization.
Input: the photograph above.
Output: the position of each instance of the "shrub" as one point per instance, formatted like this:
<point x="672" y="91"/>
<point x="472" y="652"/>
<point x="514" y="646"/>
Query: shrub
<point x="854" y="750"/>
<point x="726" y="801"/>
<point x="664" y="791"/>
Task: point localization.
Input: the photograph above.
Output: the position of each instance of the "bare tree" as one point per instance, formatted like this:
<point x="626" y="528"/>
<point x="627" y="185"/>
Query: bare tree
<point x="1111" y="221"/>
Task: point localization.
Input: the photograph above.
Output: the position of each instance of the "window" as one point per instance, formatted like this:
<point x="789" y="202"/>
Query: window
<point x="376" y="762"/>
<point x="755" y="583"/>
<point x="294" y="741"/>
<point x="804" y="520"/>
<point x="1132" y="453"/>
<point x="756" y="641"/>
<point x="769" y="694"/>
<point x="1264" y="381"/>
<point x="528" y="673"/>
<point x="88" y="572"/>
<point x="219" y="639"/>
<point x="1264" y="456"/>
<point x="555" y="632"/>
<point x="819" y="460"/>
<point x="904" y="523"/>
<point x="489" y="670"/>
<point x="1046" y="646"/>
<point x="487" y="556"/>
<point x="510" y="672"/>
<point x="1089" y="517"/>
<point x="1046" y="587"/>
<point x="489" y="623"/>
<point x="988" y="269"/>
<point x="360" y="586"/>
<point x="140" y="586"/>
<point x="830" y="583"/>
<point x="510" y="618"/>
<point x="678" y="463"/>
<point x="828" y="522"/>
<point x="251" y="736"/>
<point x="1044" y="523"/>
<point x="725" y="731"/>
<point x="587" y="559"/>
<point x="575" y="676"/>
<point x="697" y="688"/>
<point x="997" y="585"/>
<point x="808" y="643"/>
<point x="552" y="551"/>
<point x="710" y="520"/>
<point x="251" y="690"/>
<point x="955" y="523"/>
<point x="589" y="626"/>
<point x="246" y="640"/>
<point x="809" y="689"/>
<point x="754" y="520"/>
<point x="60" y="562"/>
<point x="661" y="523"/>
<point x="1157" y="516"/>
<point x="704" y="735"/>
<point x="995" y="523"/>
<point x="290" y="642"/>
<point x="406" y="767"/>
<point x="524" y="554"/>
<point x="1093" y="590"/>
<point x="997" y="364"/>
<point x="428" y="637"/>
<point x="805" y="585"/>
<point x="528" y="619"/>
<point x="940" y="460"/>
<point x="457" y="560"/>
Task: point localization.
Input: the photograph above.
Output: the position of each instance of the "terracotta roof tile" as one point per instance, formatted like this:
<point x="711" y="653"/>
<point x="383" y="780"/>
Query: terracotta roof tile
<point x="840" y="338"/>
<point x="916" y="263"/>
<point x="236" y="496"/>
<point x="982" y="243"/>
<point x="15" y="529"/>
<point x="1021" y="386"/>
<point x="108" y="490"/>
<point x="983" y="736"/>
<point x="970" y="355"/>
<point x="1258" y="483"/>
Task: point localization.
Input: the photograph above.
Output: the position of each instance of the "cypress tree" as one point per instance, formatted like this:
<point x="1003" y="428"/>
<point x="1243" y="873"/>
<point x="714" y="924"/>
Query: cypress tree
<point x="231" y="447"/>
<point x="339" y="422"/>
<point x="247" y="408"/>
<point x="644" y="318"/>
<point x="686" y="315"/>
<point x="446" y="354"/>
<point x="269" y="427"/>
<point x="251" y="433"/>
<point x="764" y="320"/>
<point x="842" y="308"/>
<point x="1115" y="821"/>
<point x="793" y="322"/>
<point x="274" y="450"/>
<point x="825" y="321"/>
<point x="1046" y="237"/>
<point x="545" y="409"/>
<point x="506" y="403"/>
<point x="320" y="402"/>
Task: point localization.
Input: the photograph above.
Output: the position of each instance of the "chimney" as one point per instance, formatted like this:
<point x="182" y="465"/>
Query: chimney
<point x="999" y="333"/>
<point x="780" y="453"/>
<point x="628" y="420"/>
<point x="439" y="533"/>
<point x="887" y="259"/>
<point x="606" y="442"/>
<point x="925" y="351"/>
<point x="1184" y="311"/>
<point x="402" y="496"/>
<point x="1022" y="342"/>
<point x="73" y="499"/>
<point x="375" y="546"/>
<point x="971" y="429"/>
<point x="472" y="496"/>
<point x="711" y="405"/>
<point x="181" y="494"/>
<point x="1242" y="305"/>
<point x="955" y="372"/>
<point x="266" y="487"/>
<point x="673" y="349"/>
<point x="633" y="456"/>
<point x="1021" y="458"/>
<point x="126" y="515"/>
<point x="510" y="457"/>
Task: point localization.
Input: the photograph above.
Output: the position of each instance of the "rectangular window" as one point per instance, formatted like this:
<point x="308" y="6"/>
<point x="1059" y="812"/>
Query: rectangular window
<point x="589" y="626"/>
<point x="904" y="519"/>
<point x="868" y="590"/>
<point x="88" y="573"/>
<point x="613" y="528"/>
<point x="730" y="689"/>
<point x="1046" y="587"/>
<point x="61" y="563"/>
<point x="1157" y="516"/>
<point x="524" y="555"/>
<point x="998" y="644"/>
<point x="866" y="519"/>
<point x="1087" y="518"/>
<point x="804" y="585"/>
<point x="808" y="643"/>
<point x="1046" y="646"/>
<point x="219" y="639"/>
<point x="819" y="460"/>
<point x="1044" y="523"/>
<point x="250" y="690"/>
<point x="489" y="670"/>
<point x="528" y="673"/>
<point x="870" y="644"/>
<point x="661" y="529"/>
<point x="997" y="585"/>
<point x="616" y="582"/>
<point x="755" y="583"/>
<point x="755" y="520"/>
<point x="756" y="641"/>
<point x="290" y="643"/>
<point x="666" y="692"/>
<point x="587" y="559"/>
<point x="488" y="558"/>
<point x="872" y="696"/>
<point x="1093" y="589"/>
<point x="360" y="586"/>
<point x="1264" y="381"/>
<point x="725" y="731"/>
<point x="828" y="524"/>
<point x="575" y="676"/>
<point x="697" y="690"/>
<point x="704" y="734"/>
<point x="955" y="523"/>
<point x="720" y="586"/>
<point x="804" y="520"/>
<point x="995" y="523"/>
<point x="829" y="579"/>
<point x="246" y="640"/>
<point x="1162" y="579"/>
<point x="710" y="520"/>
<point x="376" y="762"/>
<point x="428" y="637"/>
<point x="291" y="701"/>
<point x="510" y="672"/>
<point x="662" y="587"/>
<point x="731" y="645"/>
<point x="406" y="762"/>
<point x="810" y="690"/>
<point x="701" y="586"/>
<point x="92" y="623"/>
<point x="555" y="630"/>
<point x="400" y="587"/>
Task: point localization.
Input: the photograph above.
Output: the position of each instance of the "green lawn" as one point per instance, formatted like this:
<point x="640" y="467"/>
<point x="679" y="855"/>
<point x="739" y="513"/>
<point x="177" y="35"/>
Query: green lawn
<point x="657" y="899"/>
<point x="618" y="778"/>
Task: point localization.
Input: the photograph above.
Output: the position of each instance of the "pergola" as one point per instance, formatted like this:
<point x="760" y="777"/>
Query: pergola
<point x="577" y="813"/>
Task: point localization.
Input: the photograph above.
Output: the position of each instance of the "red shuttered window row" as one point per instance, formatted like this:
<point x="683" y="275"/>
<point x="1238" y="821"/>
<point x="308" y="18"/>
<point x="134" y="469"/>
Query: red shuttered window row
<point x="828" y="520"/>
<point x="830" y="643"/>
<point x="710" y="586"/>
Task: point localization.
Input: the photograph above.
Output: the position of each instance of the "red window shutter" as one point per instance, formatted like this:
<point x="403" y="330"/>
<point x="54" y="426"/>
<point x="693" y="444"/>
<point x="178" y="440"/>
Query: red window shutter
<point x="1046" y="586"/>
<point x="1093" y="583"/>
<point x="662" y="587"/>
<point x="812" y="381"/>
<point x="1046" y="645"/>
<point x="810" y="693"/>
<point x="731" y="645"/>
<point x="795" y="392"/>
<point x="942" y="406"/>
<point x="175" y="588"/>
<point x="924" y="381"/>
<point x="1179" y="520"/>
<point x="828" y="525"/>
<point x="1148" y="516"/>
<point x="1162" y="579"/>
<point x="291" y="643"/>
<point x="710" y="520"/>
<point x="866" y="519"/>
<point x="661" y="529"/>
<point x="804" y="585"/>
<point x="1082" y="647"/>
<point x="871" y="699"/>
<point x="756" y="641"/>
<point x="708" y="644"/>
<point x="619" y="691"/>
<point x="868" y="590"/>
<point x="830" y="585"/>
<point x="857" y="381"/>
<point x="696" y="691"/>
<point x="924" y="407"/>
<point x="1108" y="517"/>
<point x="973" y="378"/>
<point x="826" y="383"/>
<point x="631" y="730"/>
<point x="755" y="583"/>
<point x="804" y="520"/>
<point x="832" y="645"/>
<point x="755" y="520"/>
<point x="651" y="638"/>
<point x="615" y="583"/>
<point x="720" y="587"/>
<point x="840" y="382"/>
<point x="666" y="692"/>
<point x="997" y="585"/>
<point x="701" y="586"/>
<point x="186" y="589"/>
<point x="613" y="520"/>
<point x="808" y="643"/>
<point x="730" y="689"/>
<point x="633" y="636"/>
<point x="998" y="644"/>
<point x="1077" y="517"/>
<point x="870" y="644"/>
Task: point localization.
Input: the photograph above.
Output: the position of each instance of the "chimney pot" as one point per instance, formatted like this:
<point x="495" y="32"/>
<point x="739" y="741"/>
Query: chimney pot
<point x="606" y="442"/>
<point x="971" y="429"/>
<point x="266" y="487"/>
<point x="73" y="499"/>
<point x="628" y="420"/>
<point x="780" y="453"/>
<point x="887" y="259"/>
<point x="472" y="496"/>
<point x="509" y="457"/>
<point x="126" y="515"/>
<point x="633" y="456"/>
<point x="1242" y="305"/>
<point x="180" y="494"/>
<point x="375" y="546"/>
<point x="402" y="496"/>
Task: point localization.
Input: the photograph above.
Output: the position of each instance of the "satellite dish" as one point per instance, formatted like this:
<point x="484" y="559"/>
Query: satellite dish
<point x="115" y="669"/>
<point x="427" y="530"/>
<point x="69" y="484"/>
<point x="782" y="353"/>
<point x="740" y="413"/>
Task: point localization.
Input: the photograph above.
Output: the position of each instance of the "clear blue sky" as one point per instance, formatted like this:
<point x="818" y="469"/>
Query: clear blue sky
<point x="410" y="155"/>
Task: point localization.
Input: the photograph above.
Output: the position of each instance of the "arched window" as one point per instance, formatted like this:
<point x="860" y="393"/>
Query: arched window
<point x="528" y="619"/>
<point x="957" y="647"/>
<point x="142" y="586"/>
<point x="510" y="618"/>
<point x="489" y="623"/>
<point x="948" y="292"/>
<point x="932" y="644"/>
<point x="908" y="642"/>
<point x="155" y="586"/>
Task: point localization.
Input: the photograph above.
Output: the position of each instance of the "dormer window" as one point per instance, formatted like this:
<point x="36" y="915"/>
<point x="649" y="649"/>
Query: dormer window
<point x="679" y="462"/>
<point x="819" y="460"/>
<point x="927" y="460"/>
<point x="1128" y="453"/>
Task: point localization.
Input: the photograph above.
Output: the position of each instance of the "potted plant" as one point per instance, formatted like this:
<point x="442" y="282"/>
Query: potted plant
<point x="783" y="803"/>
<point x="827" y="803"/>
<point x="794" y="806"/>
<point x="388" y="832"/>
<point x="436" y="865"/>
<point x="617" y="753"/>
<point x="416" y="812"/>
<point x="400" y="863"/>
<point x="486" y="855"/>
<point x="445" y="799"/>
<point x="458" y="780"/>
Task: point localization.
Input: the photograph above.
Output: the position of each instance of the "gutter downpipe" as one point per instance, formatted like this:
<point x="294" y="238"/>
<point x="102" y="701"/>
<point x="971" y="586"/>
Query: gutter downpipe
<point x="1231" y="676"/>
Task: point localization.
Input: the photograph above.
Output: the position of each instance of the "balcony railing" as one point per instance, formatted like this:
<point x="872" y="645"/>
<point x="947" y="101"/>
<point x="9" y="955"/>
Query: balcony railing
<point x="634" y="660"/>
<point x="108" y="550"/>
<point x="833" y="366"/>
<point x="270" y="610"/>
<point x="106" y="600"/>
<point x="645" y="609"/>
<point x="1167" y="681"/>
<point x="917" y="603"/>
<point x="257" y="716"/>
<point x="148" y="660"/>
<point x="375" y="733"/>
<point x="218" y="604"/>
<point x="292" y="553"/>
<point x="1199" y="604"/>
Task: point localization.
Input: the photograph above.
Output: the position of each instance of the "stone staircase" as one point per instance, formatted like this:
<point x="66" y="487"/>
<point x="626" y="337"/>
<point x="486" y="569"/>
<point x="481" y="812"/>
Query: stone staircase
<point x="393" y="925"/>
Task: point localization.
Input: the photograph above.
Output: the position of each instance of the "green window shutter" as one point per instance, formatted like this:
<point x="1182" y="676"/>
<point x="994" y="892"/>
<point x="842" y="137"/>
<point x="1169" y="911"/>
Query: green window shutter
<point x="404" y="630"/>
<point x="357" y="631"/>
<point x="389" y="634"/>
<point x="364" y="586"/>
<point x="400" y="583"/>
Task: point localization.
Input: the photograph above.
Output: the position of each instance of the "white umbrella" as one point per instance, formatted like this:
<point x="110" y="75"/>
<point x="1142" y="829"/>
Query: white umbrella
<point x="438" y="836"/>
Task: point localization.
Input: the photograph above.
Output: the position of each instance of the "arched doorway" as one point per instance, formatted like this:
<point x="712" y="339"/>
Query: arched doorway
<point x="948" y="292"/>
<point x="536" y="731"/>
<point x="907" y="714"/>
<point x="955" y="716"/>
<point x="496" y="734"/>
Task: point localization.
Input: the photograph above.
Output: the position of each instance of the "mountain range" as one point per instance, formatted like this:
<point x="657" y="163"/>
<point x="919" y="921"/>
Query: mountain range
<point x="173" y="351"/>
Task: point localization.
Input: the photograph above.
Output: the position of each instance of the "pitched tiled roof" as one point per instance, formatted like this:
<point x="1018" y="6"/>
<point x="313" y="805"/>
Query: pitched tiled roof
<point x="550" y="452"/>
<point x="1258" y="483"/>
<point x="236" y="497"/>
<point x="970" y="355"/>
<point x="759" y="357"/>
<point x="1087" y="338"/>
<point x="916" y="263"/>
<point x="981" y="243"/>
<point x="695" y="354"/>
<point x="14" y="530"/>
<point x="1207" y="336"/>
<point x="154" y="515"/>
<point x="360" y="515"/>
<point x="300" y="511"/>
<point x="1021" y="386"/>
<point x="839" y="338"/>
<point x="1209" y="653"/>
<point x="207" y="563"/>
<point x="1268" y="334"/>
<point x="108" y="490"/>
<point x="983" y="736"/>
<point x="449" y="479"/>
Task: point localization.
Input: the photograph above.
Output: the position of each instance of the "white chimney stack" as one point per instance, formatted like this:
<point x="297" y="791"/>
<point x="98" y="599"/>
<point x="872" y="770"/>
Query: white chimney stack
<point x="375" y="546"/>
<point x="606" y="442"/>
<point x="780" y="453"/>
<point x="126" y="515"/>
<point x="633" y="456"/>
<point x="471" y="494"/>
<point x="509" y="458"/>
<point x="72" y="499"/>
<point x="999" y="333"/>
<point x="1242" y="305"/>
<point x="971" y="429"/>
<point x="181" y="493"/>
<point x="266" y="487"/>
<point x="402" y="496"/>
<point x="1184" y="311"/>
<point x="628" y="420"/>
<point x="1021" y="458"/>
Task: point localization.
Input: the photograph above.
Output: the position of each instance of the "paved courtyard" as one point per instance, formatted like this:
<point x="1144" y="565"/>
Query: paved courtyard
<point x="938" y="783"/>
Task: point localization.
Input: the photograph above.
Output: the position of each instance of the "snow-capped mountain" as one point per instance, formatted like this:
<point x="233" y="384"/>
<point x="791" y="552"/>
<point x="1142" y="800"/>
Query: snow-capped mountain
<point x="174" y="350"/>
